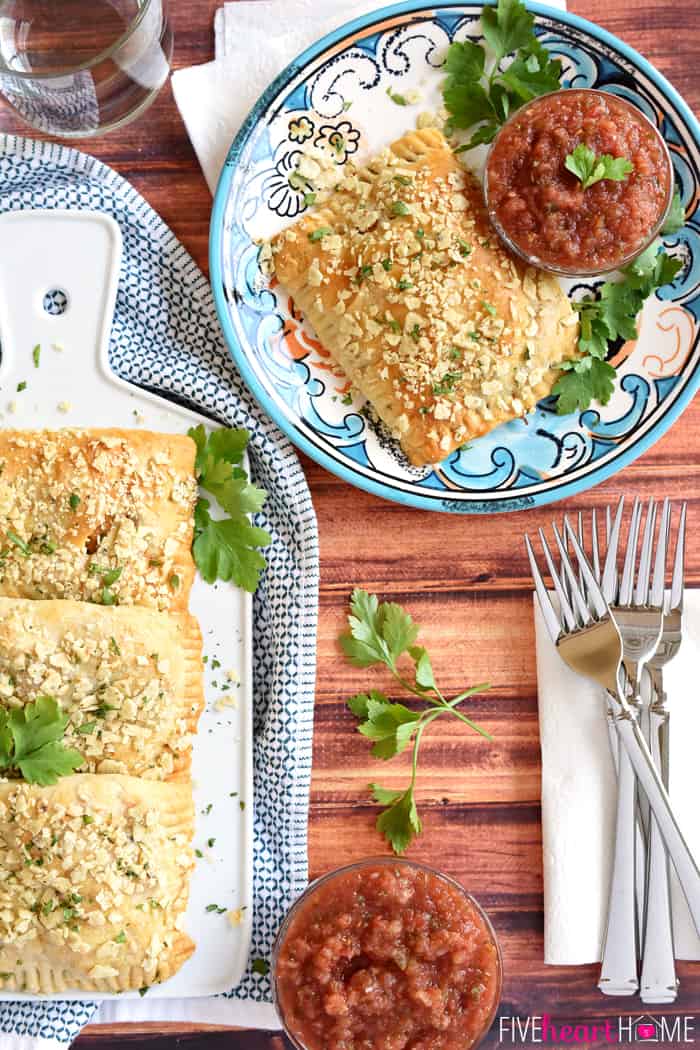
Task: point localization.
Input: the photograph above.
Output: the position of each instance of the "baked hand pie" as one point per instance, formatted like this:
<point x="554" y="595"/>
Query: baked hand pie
<point x="129" y="680"/>
<point x="410" y="291"/>
<point x="101" y="516"/>
<point x="94" y="876"/>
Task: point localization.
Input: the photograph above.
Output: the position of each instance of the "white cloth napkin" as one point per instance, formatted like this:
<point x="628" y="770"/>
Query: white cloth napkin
<point x="579" y="793"/>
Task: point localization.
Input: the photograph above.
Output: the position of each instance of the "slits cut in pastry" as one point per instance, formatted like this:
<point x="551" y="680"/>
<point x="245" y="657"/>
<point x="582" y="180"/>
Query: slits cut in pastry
<point x="130" y="680"/>
<point x="410" y="291"/>
<point x="94" y="875"/>
<point x="100" y="516"/>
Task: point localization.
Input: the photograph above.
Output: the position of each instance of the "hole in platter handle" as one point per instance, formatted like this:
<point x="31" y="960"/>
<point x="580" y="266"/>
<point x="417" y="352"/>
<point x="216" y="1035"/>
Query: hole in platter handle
<point x="59" y="272"/>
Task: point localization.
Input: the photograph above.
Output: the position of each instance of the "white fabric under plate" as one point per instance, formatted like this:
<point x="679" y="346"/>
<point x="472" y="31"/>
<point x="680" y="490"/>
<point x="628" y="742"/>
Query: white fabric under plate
<point x="579" y="793"/>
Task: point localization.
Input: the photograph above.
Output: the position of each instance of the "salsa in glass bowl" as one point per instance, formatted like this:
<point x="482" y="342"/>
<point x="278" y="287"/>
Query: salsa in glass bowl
<point x="578" y="182"/>
<point x="384" y="955"/>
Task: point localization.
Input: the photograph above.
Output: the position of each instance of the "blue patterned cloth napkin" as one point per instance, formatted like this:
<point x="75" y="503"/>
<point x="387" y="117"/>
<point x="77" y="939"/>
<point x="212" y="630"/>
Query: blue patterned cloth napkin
<point x="166" y="337"/>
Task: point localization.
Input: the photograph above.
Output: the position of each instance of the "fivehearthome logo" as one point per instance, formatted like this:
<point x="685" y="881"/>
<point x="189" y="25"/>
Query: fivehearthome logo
<point x="630" y="1031"/>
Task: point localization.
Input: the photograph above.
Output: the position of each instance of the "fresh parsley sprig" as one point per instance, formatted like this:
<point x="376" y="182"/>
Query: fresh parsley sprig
<point x="31" y="742"/>
<point x="589" y="168"/>
<point x="474" y="95"/>
<point x="612" y="315"/>
<point x="225" y="549"/>
<point x="383" y="633"/>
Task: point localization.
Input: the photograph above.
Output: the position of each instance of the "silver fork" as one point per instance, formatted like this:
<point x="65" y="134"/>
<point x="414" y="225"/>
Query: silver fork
<point x="588" y="641"/>
<point x="640" y="625"/>
<point x="659" y="982"/>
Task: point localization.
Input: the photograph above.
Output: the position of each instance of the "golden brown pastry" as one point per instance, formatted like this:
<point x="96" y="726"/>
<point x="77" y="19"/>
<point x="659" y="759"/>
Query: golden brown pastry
<point x="101" y="516"/>
<point x="94" y="876"/>
<point x="410" y="291"/>
<point x="130" y="680"/>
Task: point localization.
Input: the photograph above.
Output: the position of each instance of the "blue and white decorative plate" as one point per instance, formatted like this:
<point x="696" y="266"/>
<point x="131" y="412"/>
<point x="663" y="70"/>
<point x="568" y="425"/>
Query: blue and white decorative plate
<point x="334" y="97"/>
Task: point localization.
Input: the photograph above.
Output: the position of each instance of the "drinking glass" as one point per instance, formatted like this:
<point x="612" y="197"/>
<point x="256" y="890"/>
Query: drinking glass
<point x="82" y="67"/>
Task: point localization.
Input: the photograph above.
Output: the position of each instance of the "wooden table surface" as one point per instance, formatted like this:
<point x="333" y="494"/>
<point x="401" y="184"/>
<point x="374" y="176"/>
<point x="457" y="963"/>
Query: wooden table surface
<point x="464" y="579"/>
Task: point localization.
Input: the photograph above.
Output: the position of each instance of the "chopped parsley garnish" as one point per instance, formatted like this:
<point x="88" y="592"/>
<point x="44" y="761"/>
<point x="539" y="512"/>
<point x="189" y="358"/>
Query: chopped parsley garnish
<point x="363" y="272"/>
<point x="447" y="384"/>
<point x="21" y="386"/>
<point x="415" y="333"/>
<point x="120" y="938"/>
<point x="36" y="355"/>
<point x="174" y="582"/>
<point x="260" y="966"/>
<point x="19" y="542"/>
<point x="216" y="908"/>
<point x="108" y="597"/>
<point x="383" y="633"/>
<point x="346" y="399"/>
<point x="225" y="549"/>
<point x="387" y="264"/>
<point x="309" y="199"/>
<point x="476" y="336"/>
<point x="109" y="576"/>
<point x="405" y="284"/>
<point x="400" y="208"/>
<point x="87" y="819"/>
<point x="394" y="324"/>
<point x="320" y="233"/>
<point x="455" y="354"/>
<point x="400" y="100"/>
<point x="86" y="728"/>
<point x="489" y="307"/>
<point x="473" y="97"/>
<point x="210" y="843"/>
<point x="403" y="180"/>
<point x="114" y="647"/>
<point x="198" y="853"/>
<point x="464" y="247"/>
<point x="420" y="233"/>
<point x="74" y="501"/>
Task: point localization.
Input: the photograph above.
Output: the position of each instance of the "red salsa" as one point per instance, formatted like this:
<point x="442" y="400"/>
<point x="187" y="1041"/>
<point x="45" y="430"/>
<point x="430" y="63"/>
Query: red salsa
<point x="542" y="207"/>
<point x="387" y="956"/>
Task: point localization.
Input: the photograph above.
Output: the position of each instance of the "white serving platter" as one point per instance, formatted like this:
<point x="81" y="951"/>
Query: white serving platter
<point x="59" y="272"/>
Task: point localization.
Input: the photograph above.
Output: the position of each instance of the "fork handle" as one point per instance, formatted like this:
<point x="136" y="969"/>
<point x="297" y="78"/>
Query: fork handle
<point x="640" y="757"/>
<point x="659" y="982"/>
<point x="618" y="971"/>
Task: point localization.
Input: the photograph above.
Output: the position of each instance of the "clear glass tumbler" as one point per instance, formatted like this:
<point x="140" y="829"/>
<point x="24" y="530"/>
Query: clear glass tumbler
<point x="82" y="67"/>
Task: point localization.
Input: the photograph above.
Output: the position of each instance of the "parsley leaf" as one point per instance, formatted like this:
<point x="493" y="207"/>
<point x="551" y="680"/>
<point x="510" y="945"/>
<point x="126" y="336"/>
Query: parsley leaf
<point x="589" y="168"/>
<point x="473" y="98"/>
<point x="675" y="220"/>
<point x="383" y="633"/>
<point x="31" y="742"/>
<point x="225" y="549"/>
<point x="613" y="315"/>
<point x="590" y="380"/>
<point x="507" y="27"/>
<point x="399" y="822"/>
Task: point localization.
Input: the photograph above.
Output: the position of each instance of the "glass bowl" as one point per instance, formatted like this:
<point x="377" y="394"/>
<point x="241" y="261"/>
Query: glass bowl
<point x="365" y="865"/>
<point x="577" y="271"/>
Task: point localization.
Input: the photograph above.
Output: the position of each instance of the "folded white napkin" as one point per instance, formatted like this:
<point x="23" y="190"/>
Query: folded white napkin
<point x="579" y="794"/>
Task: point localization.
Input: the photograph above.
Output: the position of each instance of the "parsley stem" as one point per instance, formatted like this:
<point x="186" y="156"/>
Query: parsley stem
<point x="441" y="703"/>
